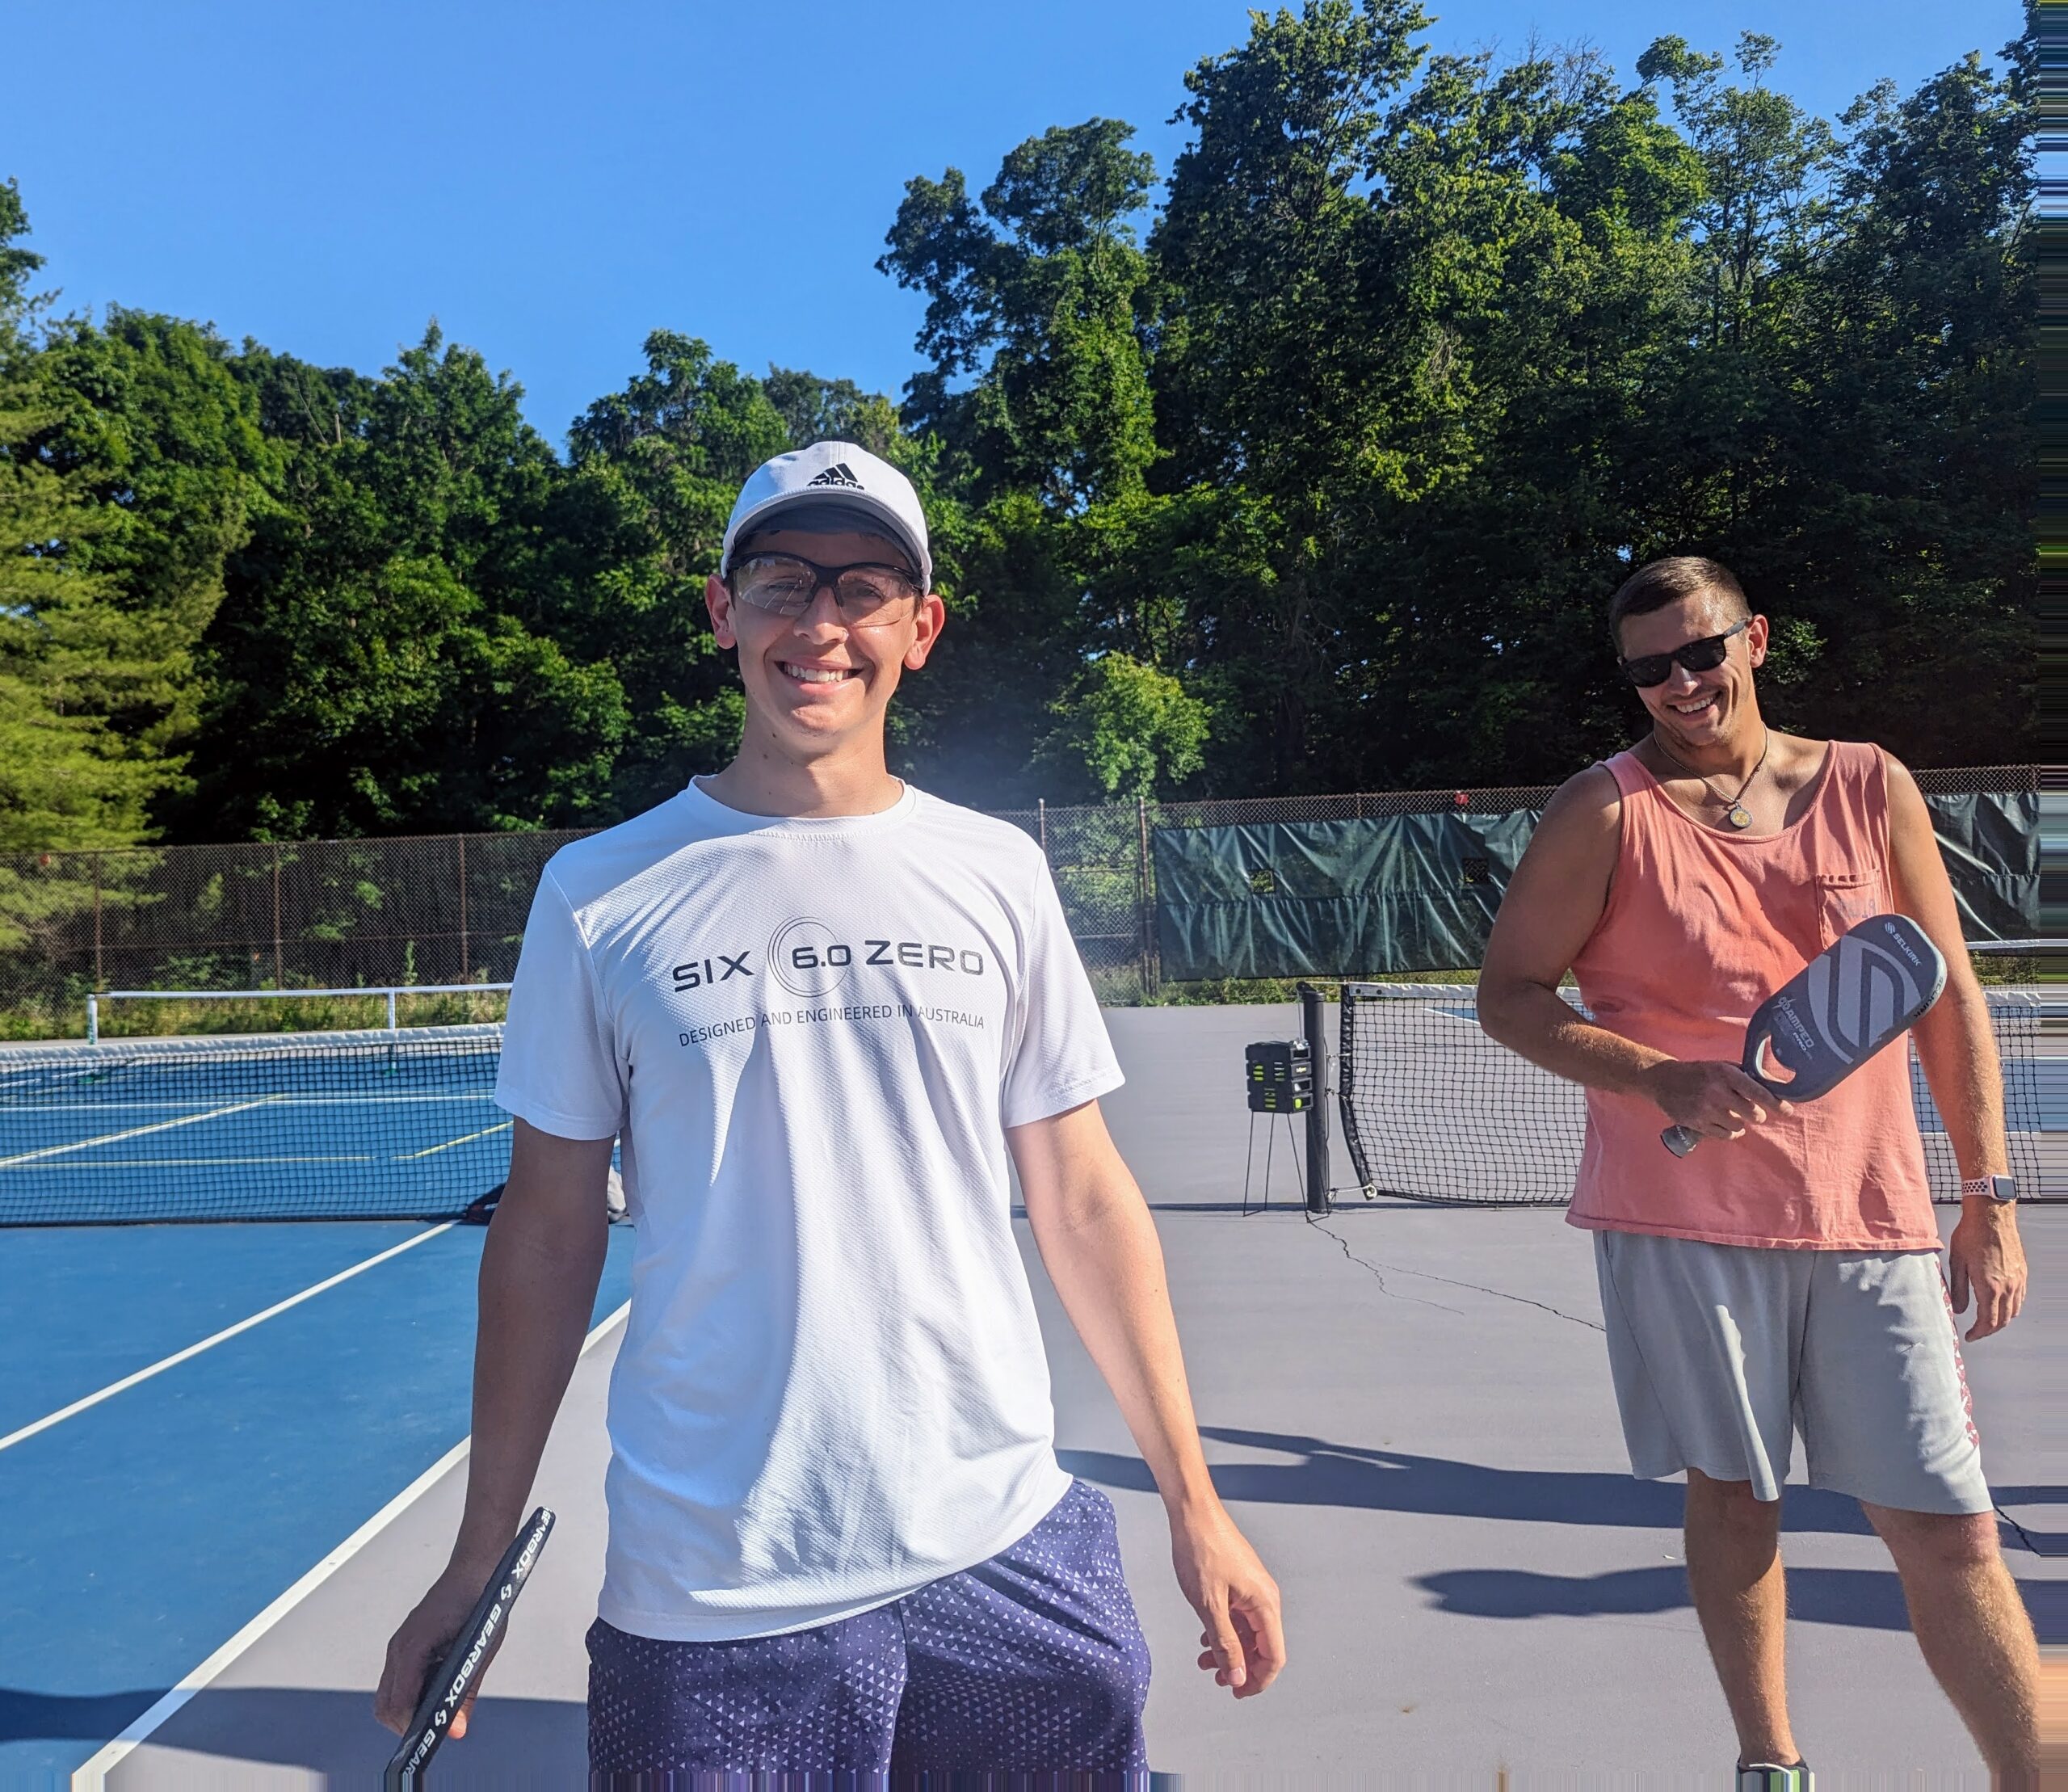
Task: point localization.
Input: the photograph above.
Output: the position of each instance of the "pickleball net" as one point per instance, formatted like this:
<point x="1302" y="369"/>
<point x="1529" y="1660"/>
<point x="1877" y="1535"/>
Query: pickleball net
<point x="1432" y="1109"/>
<point x="381" y="1124"/>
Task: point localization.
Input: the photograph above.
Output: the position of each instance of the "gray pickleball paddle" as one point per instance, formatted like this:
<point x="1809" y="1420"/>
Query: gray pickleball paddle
<point x="1868" y="987"/>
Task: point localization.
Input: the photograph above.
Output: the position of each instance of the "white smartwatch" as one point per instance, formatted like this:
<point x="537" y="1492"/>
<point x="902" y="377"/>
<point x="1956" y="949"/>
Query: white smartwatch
<point x="1998" y="1188"/>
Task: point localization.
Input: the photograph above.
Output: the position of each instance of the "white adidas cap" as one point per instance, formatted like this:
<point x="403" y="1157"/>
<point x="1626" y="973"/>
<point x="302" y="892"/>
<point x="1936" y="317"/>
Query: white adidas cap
<point x="837" y="476"/>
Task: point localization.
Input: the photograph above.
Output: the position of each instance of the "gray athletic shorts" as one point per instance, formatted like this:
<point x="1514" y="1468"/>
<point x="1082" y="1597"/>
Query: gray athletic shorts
<point x="1722" y="1352"/>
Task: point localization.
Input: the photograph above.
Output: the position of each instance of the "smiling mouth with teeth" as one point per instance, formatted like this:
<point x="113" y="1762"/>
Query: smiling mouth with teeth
<point x="1696" y="707"/>
<point x="817" y="674"/>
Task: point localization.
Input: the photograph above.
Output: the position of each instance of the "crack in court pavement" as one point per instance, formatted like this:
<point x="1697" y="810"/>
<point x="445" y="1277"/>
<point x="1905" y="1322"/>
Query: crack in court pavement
<point x="2024" y="1537"/>
<point x="1373" y="1269"/>
<point x="1476" y="1288"/>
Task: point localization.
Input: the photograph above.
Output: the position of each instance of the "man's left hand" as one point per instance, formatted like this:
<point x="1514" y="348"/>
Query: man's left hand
<point x="1986" y="1257"/>
<point x="1244" y="1641"/>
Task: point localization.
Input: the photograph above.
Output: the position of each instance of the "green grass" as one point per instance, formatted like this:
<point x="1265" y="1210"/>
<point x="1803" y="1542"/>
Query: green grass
<point x="286" y="1013"/>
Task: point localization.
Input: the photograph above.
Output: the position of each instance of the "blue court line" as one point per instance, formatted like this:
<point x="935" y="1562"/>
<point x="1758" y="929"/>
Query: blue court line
<point x="140" y="1534"/>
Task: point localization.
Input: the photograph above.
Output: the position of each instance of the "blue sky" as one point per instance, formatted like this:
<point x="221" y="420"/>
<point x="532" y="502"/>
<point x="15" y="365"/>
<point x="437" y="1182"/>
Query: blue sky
<point x="551" y="182"/>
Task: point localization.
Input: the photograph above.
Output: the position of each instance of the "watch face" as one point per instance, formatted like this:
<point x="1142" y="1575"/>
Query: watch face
<point x="2003" y="1188"/>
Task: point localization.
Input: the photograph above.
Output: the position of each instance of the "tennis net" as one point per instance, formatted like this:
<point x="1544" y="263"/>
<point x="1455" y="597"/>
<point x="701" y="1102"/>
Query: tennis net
<point x="380" y="1125"/>
<point x="1433" y="1109"/>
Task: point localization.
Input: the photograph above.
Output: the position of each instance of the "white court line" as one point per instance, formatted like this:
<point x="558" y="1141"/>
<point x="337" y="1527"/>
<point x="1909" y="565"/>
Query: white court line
<point x="405" y="1157"/>
<point x="191" y="1162"/>
<point x="228" y="1332"/>
<point x="93" y="1776"/>
<point x="134" y="1132"/>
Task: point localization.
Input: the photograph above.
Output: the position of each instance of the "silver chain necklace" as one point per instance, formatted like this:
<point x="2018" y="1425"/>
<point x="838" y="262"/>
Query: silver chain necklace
<point x="1734" y="808"/>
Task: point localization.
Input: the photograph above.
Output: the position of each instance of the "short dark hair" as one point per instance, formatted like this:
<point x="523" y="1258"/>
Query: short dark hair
<point x="1658" y="583"/>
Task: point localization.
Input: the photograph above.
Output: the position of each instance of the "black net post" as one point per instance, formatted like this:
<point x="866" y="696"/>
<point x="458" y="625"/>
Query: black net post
<point x="1311" y="1029"/>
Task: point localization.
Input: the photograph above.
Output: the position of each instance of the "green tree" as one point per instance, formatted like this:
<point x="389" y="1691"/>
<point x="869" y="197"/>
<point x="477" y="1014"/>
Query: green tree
<point x="813" y="410"/>
<point x="1902" y="529"/>
<point x="1278" y="368"/>
<point x="76" y="769"/>
<point x="1127" y="729"/>
<point x="1764" y="161"/>
<point x="1036" y="291"/>
<point x="1536" y="223"/>
<point x="383" y="661"/>
<point x="149" y="423"/>
<point x="638" y="529"/>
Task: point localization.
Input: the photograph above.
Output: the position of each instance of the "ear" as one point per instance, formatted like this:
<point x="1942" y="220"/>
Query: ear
<point x="928" y="619"/>
<point x="1755" y="641"/>
<point x="719" y="602"/>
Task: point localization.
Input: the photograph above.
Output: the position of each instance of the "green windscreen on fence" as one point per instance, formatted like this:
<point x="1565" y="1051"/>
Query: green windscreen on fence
<point x="1990" y="840"/>
<point x="1419" y="892"/>
<point x="1308" y="899"/>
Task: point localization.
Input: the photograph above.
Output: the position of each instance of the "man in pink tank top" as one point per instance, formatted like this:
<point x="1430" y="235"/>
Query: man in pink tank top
<point x="1784" y="1277"/>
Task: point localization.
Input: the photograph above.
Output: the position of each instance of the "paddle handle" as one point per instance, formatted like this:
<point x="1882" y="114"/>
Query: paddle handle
<point x="1678" y="1140"/>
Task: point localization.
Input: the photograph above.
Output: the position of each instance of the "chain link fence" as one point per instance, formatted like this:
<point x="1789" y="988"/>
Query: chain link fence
<point x="451" y="908"/>
<point x="322" y="914"/>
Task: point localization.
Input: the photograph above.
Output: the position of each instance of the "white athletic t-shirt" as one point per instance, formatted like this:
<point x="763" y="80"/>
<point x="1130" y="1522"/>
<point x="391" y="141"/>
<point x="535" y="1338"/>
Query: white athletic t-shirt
<point x="810" y="1036"/>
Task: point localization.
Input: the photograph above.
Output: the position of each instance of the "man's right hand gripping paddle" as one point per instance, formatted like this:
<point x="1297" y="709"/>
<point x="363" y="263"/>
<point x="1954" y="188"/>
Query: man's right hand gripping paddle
<point x="447" y="1694"/>
<point x="1865" y="989"/>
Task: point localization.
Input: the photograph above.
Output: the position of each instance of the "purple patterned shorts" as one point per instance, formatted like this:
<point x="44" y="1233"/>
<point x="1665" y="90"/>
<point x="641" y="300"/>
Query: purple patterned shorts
<point x="1030" y="1665"/>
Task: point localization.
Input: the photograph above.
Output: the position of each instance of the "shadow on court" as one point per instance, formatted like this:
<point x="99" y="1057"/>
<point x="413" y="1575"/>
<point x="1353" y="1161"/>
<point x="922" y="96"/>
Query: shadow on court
<point x="1815" y="1596"/>
<point x="1857" y="1597"/>
<point x="329" y="1733"/>
<point x="41" y="1717"/>
<point x="1386" y="1480"/>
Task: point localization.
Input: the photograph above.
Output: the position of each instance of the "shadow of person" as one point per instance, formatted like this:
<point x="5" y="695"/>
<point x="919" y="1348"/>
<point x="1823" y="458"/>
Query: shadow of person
<point x="53" y="1717"/>
<point x="512" y="1741"/>
<point x="1856" y="1596"/>
<point x="1317" y="1472"/>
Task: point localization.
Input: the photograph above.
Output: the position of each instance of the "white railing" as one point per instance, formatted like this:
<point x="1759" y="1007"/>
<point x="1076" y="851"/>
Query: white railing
<point x="388" y="991"/>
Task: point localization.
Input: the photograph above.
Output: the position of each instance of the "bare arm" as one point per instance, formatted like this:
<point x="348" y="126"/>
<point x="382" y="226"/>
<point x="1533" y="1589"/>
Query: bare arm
<point x="1099" y="1245"/>
<point x="1958" y="1051"/>
<point x="1554" y="903"/>
<point x="541" y="1264"/>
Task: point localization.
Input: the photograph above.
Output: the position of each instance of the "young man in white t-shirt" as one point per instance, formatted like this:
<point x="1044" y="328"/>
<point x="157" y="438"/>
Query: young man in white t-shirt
<point x="819" y="1009"/>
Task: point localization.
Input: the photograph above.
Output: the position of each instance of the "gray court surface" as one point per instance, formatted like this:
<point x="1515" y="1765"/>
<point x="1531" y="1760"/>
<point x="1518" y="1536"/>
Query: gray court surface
<point x="1408" y="1409"/>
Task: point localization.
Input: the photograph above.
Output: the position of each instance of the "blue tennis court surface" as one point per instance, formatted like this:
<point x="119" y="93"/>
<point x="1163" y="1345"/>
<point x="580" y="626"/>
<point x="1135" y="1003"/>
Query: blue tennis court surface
<point x="144" y="1530"/>
<point x="148" y="1524"/>
<point x="192" y="1417"/>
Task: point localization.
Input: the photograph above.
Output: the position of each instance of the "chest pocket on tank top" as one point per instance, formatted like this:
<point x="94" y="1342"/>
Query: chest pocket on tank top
<point x="1845" y="898"/>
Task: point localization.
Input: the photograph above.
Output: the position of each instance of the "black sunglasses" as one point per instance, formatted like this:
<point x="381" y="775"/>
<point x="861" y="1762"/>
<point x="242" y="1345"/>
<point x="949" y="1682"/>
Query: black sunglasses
<point x="1705" y="655"/>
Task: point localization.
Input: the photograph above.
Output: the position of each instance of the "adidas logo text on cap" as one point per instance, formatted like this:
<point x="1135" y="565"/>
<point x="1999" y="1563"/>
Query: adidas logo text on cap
<point x="837" y="474"/>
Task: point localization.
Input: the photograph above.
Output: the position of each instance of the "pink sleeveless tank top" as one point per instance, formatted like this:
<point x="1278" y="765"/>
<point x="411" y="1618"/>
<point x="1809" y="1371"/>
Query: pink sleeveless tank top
<point x="1699" y="928"/>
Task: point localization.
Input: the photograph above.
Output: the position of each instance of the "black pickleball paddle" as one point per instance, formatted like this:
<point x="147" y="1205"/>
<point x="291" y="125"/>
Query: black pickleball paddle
<point x="446" y="1690"/>
<point x="1868" y="987"/>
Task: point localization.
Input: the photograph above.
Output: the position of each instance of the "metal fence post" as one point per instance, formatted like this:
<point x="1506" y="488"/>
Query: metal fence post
<point x="464" y="973"/>
<point x="1148" y="979"/>
<point x="280" y="971"/>
<point x="1042" y="823"/>
<point x="1316" y="1035"/>
<point x="100" y="980"/>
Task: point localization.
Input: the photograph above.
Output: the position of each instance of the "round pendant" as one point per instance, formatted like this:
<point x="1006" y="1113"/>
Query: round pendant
<point x="1740" y="816"/>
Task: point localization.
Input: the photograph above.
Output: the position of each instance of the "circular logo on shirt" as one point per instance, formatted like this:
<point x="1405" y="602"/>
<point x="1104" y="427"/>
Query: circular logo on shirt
<point x="807" y="958"/>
